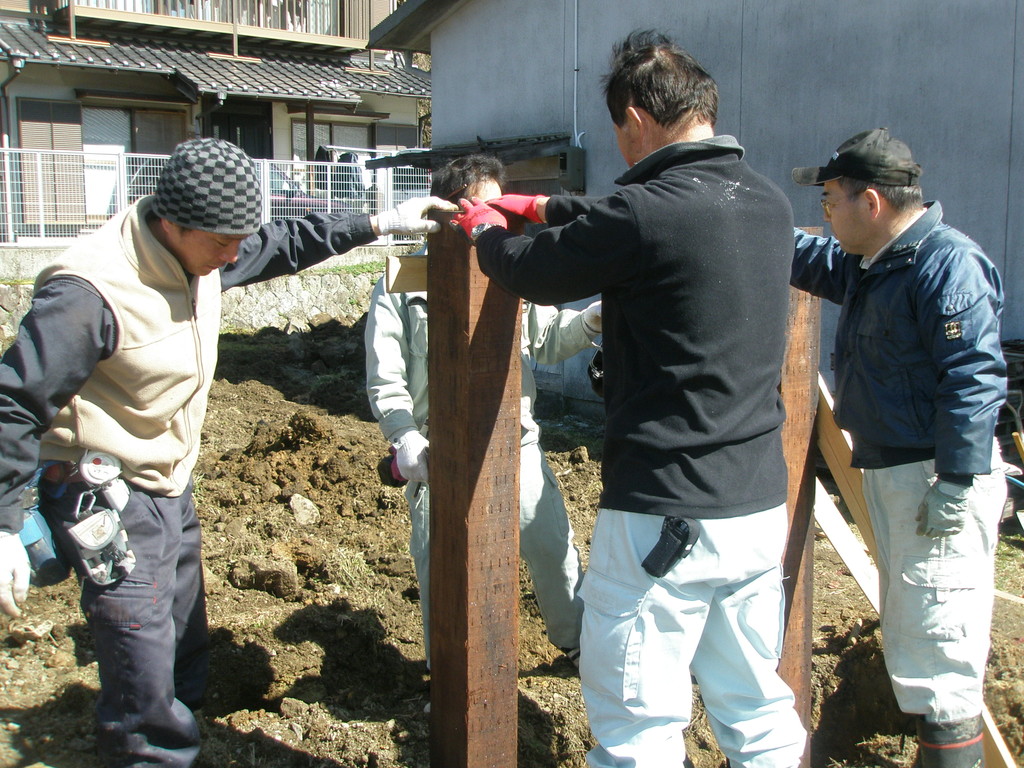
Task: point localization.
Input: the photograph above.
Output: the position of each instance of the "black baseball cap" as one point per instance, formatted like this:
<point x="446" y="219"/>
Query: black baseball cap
<point x="872" y="156"/>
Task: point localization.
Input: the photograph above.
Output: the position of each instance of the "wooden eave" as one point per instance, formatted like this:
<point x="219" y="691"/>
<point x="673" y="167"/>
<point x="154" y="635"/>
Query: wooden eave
<point x="409" y="27"/>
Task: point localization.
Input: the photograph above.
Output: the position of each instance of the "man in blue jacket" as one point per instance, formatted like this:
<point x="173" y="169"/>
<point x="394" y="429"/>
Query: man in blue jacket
<point x="691" y="257"/>
<point x="920" y="378"/>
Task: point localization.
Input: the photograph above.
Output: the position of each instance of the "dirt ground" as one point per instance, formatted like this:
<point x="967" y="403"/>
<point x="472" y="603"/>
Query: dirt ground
<point x="317" y="653"/>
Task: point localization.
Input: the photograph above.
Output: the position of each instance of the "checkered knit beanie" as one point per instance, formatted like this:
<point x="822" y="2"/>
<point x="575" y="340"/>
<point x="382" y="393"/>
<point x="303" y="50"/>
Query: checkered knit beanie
<point x="210" y="185"/>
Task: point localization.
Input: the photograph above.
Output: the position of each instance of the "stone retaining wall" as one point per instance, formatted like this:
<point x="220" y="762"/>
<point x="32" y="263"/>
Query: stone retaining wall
<point x="290" y="302"/>
<point x="285" y="302"/>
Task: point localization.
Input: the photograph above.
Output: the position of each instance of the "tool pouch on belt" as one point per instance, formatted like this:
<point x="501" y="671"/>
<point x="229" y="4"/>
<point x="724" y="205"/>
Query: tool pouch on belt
<point x="595" y="372"/>
<point x="100" y="539"/>
<point x="88" y="501"/>
<point x="387" y="470"/>
<point x="678" y="535"/>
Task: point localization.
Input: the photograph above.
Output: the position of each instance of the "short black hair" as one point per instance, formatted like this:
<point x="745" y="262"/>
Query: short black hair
<point x="903" y="199"/>
<point x="466" y="171"/>
<point x="651" y="72"/>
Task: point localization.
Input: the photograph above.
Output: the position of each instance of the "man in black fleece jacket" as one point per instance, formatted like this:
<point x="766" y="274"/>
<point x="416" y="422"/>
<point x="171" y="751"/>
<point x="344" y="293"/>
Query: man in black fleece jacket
<point x="691" y="258"/>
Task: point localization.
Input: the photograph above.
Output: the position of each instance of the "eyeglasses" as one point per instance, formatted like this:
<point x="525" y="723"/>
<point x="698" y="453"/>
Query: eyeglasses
<point x="827" y="205"/>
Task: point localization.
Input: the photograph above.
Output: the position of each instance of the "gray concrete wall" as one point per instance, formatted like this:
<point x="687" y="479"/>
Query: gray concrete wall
<point x="796" y="78"/>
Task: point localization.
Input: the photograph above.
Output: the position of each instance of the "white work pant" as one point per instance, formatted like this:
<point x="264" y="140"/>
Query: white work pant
<point x="718" y="614"/>
<point x="936" y="594"/>
<point x="545" y="544"/>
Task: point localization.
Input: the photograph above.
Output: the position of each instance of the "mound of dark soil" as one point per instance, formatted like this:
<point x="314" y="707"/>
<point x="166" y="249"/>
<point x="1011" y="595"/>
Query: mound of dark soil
<point x="317" y="642"/>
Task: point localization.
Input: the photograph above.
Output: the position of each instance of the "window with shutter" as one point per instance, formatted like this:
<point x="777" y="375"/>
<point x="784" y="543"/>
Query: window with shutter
<point x="158" y="132"/>
<point x="53" y="184"/>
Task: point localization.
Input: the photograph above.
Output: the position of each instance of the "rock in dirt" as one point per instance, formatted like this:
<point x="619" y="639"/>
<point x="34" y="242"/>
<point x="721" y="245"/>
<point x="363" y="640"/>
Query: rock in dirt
<point x="305" y="511"/>
<point x="279" y="578"/>
<point x="26" y="632"/>
<point x="293" y="707"/>
<point x="60" y="660"/>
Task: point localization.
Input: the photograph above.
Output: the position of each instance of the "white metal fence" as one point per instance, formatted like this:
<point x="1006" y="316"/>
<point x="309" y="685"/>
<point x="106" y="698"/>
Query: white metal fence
<point x="54" y="196"/>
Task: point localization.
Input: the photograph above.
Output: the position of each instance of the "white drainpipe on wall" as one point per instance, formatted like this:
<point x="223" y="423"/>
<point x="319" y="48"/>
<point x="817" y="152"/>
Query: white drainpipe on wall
<point x="17" y="64"/>
<point x="576" y="136"/>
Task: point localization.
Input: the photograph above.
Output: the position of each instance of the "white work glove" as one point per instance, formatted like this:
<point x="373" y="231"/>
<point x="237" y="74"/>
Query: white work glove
<point x="592" y="319"/>
<point x="407" y="218"/>
<point x="411" y="455"/>
<point x="14" y="573"/>
<point x="943" y="510"/>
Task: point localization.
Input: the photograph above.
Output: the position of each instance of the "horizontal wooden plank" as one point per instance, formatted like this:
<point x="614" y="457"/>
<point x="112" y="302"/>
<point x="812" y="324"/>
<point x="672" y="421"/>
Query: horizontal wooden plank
<point x="405" y="274"/>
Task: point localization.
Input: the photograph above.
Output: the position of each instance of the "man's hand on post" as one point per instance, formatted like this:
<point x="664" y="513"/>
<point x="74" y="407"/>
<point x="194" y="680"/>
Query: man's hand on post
<point x="408" y="218"/>
<point x="478" y="216"/>
<point x="943" y="511"/>
<point x="411" y="456"/>
<point x="14" y="573"/>
<point x="530" y="207"/>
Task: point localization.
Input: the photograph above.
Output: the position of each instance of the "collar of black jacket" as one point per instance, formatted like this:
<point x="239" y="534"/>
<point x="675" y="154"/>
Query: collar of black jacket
<point x="680" y="152"/>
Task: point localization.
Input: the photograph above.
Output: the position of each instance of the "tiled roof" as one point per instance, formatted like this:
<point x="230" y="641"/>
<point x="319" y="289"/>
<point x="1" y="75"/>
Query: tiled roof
<point x="277" y="74"/>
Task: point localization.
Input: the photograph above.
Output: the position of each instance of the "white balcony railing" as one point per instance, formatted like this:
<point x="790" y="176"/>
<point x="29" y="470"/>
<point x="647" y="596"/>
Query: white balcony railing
<point x="56" y="196"/>
<point x="347" y="18"/>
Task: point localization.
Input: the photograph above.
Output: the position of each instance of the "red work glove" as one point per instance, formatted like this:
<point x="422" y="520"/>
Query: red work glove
<point x="476" y="217"/>
<point x="522" y="205"/>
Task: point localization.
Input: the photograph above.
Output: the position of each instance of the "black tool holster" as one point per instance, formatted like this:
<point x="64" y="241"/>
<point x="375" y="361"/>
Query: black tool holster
<point x="678" y="535"/>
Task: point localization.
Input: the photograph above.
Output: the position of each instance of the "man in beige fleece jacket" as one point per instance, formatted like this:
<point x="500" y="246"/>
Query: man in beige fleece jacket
<point x="111" y="370"/>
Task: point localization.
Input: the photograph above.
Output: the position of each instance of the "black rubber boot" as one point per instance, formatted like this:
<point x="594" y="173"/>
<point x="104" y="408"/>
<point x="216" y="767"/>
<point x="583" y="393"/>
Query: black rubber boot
<point x="950" y="745"/>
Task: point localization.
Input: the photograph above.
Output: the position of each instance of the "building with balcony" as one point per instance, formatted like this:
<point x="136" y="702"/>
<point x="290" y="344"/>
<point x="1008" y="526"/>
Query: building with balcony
<point x="278" y="77"/>
<point x="94" y="93"/>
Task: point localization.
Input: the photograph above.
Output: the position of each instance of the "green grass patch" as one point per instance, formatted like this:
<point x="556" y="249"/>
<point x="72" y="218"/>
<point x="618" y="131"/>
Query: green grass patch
<point x="362" y="268"/>
<point x="568" y="431"/>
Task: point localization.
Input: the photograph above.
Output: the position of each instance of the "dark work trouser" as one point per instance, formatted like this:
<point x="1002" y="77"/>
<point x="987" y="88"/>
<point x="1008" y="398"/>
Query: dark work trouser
<point x="151" y="636"/>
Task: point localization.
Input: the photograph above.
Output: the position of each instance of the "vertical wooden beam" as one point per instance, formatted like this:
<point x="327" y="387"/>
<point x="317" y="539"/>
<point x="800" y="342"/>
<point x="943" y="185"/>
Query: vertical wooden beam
<point x="474" y="429"/>
<point x="800" y="394"/>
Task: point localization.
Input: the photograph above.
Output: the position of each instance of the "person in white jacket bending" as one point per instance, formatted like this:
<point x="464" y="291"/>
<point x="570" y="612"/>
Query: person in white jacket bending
<point x="396" y="383"/>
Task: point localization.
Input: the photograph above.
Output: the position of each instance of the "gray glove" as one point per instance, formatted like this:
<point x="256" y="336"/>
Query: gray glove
<point x="943" y="510"/>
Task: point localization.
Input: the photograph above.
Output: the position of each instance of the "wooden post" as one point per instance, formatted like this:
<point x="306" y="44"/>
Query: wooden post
<point x="800" y="394"/>
<point x="311" y="136"/>
<point x="474" y="430"/>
